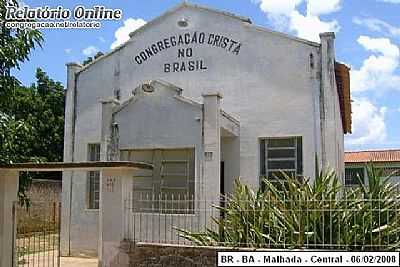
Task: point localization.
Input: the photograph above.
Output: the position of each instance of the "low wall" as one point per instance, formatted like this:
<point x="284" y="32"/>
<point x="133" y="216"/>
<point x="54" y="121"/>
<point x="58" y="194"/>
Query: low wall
<point x="168" y="255"/>
<point x="146" y="255"/>
<point x="45" y="191"/>
<point x="44" y="209"/>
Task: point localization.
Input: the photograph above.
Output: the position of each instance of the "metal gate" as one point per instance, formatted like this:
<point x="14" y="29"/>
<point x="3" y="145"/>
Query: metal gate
<point x="37" y="234"/>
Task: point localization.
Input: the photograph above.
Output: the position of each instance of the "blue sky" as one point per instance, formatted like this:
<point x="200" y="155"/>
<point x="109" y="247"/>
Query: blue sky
<point x="367" y="39"/>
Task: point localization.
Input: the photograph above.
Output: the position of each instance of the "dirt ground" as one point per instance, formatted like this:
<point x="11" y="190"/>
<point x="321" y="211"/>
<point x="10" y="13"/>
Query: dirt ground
<point x="78" y="262"/>
<point x="48" y="259"/>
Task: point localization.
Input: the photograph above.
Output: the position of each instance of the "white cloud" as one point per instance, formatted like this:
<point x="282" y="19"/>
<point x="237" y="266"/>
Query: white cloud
<point x="279" y="7"/>
<point x="390" y="1"/>
<point x="101" y="39"/>
<point x="67" y="50"/>
<point x="309" y="27"/>
<point x="318" y="7"/>
<point x="377" y="25"/>
<point x="368" y="123"/>
<point x="90" y="51"/>
<point x="284" y="15"/>
<point x="22" y="4"/>
<point x="378" y="70"/>
<point x="122" y="33"/>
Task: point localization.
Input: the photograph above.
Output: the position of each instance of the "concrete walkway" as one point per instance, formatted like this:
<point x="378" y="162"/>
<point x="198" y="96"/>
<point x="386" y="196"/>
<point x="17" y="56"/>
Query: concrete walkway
<point x="49" y="258"/>
<point x="78" y="262"/>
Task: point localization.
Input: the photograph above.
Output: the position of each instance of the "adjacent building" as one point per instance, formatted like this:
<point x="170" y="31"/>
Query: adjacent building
<point x="206" y="97"/>
<point x="356" y="163"/>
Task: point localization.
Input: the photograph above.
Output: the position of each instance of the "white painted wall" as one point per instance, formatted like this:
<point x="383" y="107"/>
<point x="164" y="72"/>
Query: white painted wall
<point x="8" y="194"/>
<point x="269" y="87"/>
<point x="159" y="120"/>
<point x="331" y="124"/>
<point x="162" y="120"/>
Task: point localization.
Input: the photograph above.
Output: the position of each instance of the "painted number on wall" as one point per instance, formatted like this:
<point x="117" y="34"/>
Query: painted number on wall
<point x="110" y="184"/>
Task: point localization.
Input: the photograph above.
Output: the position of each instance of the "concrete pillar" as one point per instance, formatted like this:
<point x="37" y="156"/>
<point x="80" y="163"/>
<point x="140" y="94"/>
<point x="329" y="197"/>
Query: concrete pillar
<point x="8" y="195"/>
<point x="111" y="217"/>
<point x="327" y="95"/>
<point x="212" y="146"/>
<point x="111" y="212"/>
<point x="109" y="131"/>
<point x="69" y="143"/>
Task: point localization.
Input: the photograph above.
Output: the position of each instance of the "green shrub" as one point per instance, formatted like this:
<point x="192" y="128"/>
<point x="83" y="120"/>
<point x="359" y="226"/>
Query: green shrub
<point x="300" y="214"/>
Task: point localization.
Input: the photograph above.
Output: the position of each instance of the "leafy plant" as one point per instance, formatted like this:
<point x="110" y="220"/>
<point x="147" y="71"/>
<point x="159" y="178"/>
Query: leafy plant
<point x="16" y="133"/>
<point x="14" y="147"/>
<point x="15" y="47"/>
<point x="304" y="214"/>
<point x="32" y="127"/>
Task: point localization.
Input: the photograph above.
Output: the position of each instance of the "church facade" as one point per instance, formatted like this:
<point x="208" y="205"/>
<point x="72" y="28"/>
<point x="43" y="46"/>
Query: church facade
<point x="206" y="97"/>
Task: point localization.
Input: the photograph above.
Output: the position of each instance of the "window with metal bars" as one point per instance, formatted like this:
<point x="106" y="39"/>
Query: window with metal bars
<point x="93" y="178"/>
<point x="281" y="155"/>
<point x="354" y="176"/>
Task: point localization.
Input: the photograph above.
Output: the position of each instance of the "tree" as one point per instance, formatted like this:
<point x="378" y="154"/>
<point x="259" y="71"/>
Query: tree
<point x="48" y="117"/>
<point x="32" y="126"/>
<point x="16" y="134"/>
<point x="15" y="47"/>
<point x="31" y="118"/>
<point x="41" y="107"/>
<point x="14" y="139"/>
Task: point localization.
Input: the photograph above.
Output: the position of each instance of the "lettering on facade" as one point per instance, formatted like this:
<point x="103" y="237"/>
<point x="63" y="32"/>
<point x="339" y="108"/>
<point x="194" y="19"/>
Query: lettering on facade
<point x="208" y="155"/>
<point x="110" y="184"/>
<point x="185" y="45"/>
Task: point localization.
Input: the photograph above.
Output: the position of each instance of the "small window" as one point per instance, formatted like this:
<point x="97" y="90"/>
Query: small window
<point x="354" y="176"/>
<point x="311" y="60"/>
<point x="93" y="177"/>
<point x="117" y="94"/>
<point x="94" y="189"/>
<point x="281" y="155"/>
<point x="94" y="152"/>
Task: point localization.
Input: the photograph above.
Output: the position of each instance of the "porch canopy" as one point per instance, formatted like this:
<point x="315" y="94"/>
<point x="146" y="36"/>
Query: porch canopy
<point x="9" y="177"/>
<point x="71" y="166"/>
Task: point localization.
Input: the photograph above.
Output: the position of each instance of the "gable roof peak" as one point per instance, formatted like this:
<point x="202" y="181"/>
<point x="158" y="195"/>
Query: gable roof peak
<point x="186" y="3"/>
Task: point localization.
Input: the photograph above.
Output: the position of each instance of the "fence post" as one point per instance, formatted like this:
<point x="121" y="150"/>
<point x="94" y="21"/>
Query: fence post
<point x="8" y="195"/>
<point x="59" y="235"/>
<point x="111" y="214"/>
<point x="54" y="212"/>
<point x="14" y="231"/>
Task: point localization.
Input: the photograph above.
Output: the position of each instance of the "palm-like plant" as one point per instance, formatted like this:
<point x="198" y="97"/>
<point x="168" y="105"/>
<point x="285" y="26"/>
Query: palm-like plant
<point x="373" y="213"/>
<point x="301" y="214"/>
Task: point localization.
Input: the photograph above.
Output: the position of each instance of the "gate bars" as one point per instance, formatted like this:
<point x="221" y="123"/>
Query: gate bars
<point x="37" y="234"/>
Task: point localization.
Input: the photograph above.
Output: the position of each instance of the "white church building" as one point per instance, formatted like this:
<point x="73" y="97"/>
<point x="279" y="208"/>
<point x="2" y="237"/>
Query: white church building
<point x="206" y="97"/>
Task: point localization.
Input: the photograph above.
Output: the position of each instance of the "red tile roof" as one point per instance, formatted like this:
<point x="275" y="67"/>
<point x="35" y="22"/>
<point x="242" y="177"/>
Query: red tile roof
<point x="391" y="155"/>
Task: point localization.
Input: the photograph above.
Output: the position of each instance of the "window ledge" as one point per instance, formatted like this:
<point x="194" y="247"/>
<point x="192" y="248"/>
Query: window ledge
<point x="91" y="210"/>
